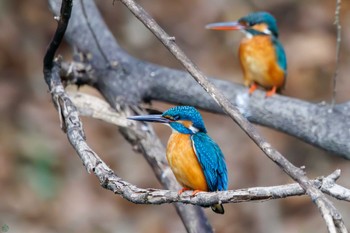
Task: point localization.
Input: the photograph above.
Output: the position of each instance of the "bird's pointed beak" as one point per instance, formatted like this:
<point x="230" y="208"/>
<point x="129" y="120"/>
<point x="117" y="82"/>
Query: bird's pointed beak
<point x="150" y="118"/>
<point x="234" y="25"/>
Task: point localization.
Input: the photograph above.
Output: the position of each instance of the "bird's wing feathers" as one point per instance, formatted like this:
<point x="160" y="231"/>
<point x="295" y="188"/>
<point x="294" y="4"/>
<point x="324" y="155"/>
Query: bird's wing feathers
<point x="281" y="55"/>
<point x="212" y="161"/>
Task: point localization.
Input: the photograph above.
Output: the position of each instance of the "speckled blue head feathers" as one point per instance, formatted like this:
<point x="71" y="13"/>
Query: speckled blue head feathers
<point x="260" y="18"/>
<point x="185" y="113"/>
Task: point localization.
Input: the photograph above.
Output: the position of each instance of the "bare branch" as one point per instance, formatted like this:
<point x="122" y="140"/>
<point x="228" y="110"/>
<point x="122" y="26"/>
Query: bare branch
<point x="337" y="50"/>
<point x="328" y="211"/>
<point x="331" y="188"/>
<point x="204" y="199"/>
<point x="97" y="108"/>
<point x="66" y="10"/>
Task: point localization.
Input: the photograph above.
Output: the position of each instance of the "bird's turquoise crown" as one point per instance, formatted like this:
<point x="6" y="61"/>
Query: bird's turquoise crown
<point x="185" y="113"/>
<point x="261" y="17"/>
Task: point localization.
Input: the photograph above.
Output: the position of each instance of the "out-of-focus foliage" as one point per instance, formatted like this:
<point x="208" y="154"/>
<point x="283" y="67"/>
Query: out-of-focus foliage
<point x="43" y="185"/>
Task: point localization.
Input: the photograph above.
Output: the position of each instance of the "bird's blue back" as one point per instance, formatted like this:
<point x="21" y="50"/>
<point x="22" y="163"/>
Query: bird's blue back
<point x="211" y="160"/>
<point x="281" y="55"/>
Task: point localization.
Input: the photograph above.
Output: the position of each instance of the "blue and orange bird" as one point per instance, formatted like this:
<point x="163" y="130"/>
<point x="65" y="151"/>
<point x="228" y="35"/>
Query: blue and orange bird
<point x="195" y="159"/>
<point x="261" y="55"/>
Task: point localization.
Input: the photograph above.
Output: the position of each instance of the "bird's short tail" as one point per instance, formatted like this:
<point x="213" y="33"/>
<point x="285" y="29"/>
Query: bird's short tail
<point x="218" y="208"/>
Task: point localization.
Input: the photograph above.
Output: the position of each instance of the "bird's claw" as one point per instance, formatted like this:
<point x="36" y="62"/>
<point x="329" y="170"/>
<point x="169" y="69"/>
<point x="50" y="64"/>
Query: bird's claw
<point x="271" y="92"/>
<point x="252" y="88"/>
<point x="182" y="190"/>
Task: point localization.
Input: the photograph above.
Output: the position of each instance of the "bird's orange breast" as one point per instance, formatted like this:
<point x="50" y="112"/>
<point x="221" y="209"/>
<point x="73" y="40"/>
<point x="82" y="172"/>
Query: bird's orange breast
<point x="259" y="62"/>
<point x="184" y="163"/>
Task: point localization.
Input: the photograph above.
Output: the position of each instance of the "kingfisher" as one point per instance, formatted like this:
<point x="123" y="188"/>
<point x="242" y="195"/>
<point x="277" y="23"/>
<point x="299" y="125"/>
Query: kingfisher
<point x="261" y="54"/>
<point x="194" y="157"/>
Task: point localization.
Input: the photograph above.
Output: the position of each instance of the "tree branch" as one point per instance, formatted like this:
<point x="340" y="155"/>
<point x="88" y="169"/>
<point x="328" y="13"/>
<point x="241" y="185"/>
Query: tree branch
<point x="337" y="50"/>
<point x="65" y="13"/>
<point x="125" y="78"/>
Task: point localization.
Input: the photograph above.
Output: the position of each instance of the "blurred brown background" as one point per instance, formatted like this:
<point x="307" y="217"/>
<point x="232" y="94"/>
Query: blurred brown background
<point x="45" y="188"/>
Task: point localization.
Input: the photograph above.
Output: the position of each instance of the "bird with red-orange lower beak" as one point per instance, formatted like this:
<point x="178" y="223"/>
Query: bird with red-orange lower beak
<point x="261" y="55"/>
<point x="195" y="159"/>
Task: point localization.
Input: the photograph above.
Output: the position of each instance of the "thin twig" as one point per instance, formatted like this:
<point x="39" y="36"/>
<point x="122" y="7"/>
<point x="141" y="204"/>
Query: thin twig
<point x="66" y="10"/>
<point x="328" y="211"/>
<point x="337" y="51"/>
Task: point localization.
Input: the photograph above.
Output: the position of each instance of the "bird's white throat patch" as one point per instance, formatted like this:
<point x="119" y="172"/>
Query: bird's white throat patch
<point x="193" y="129"/>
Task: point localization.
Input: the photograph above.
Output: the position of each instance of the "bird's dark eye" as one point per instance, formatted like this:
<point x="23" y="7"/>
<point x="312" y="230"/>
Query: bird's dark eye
<point x="172" y="118"/>
<point x="244" y="23"/>
<point x="176" y="117"/>
<point x="250" y="24"/>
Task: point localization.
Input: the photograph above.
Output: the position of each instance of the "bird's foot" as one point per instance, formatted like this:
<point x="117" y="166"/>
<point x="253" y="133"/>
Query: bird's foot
<point x="182" y="190"/>
<point x="252" y="88"/>
<point x="271" y="92"/>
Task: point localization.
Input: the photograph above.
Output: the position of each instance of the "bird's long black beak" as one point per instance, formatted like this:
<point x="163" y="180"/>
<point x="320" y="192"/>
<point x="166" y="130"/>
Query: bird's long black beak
<point x="150" y="118"/>
<point x="234" y="25"/>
